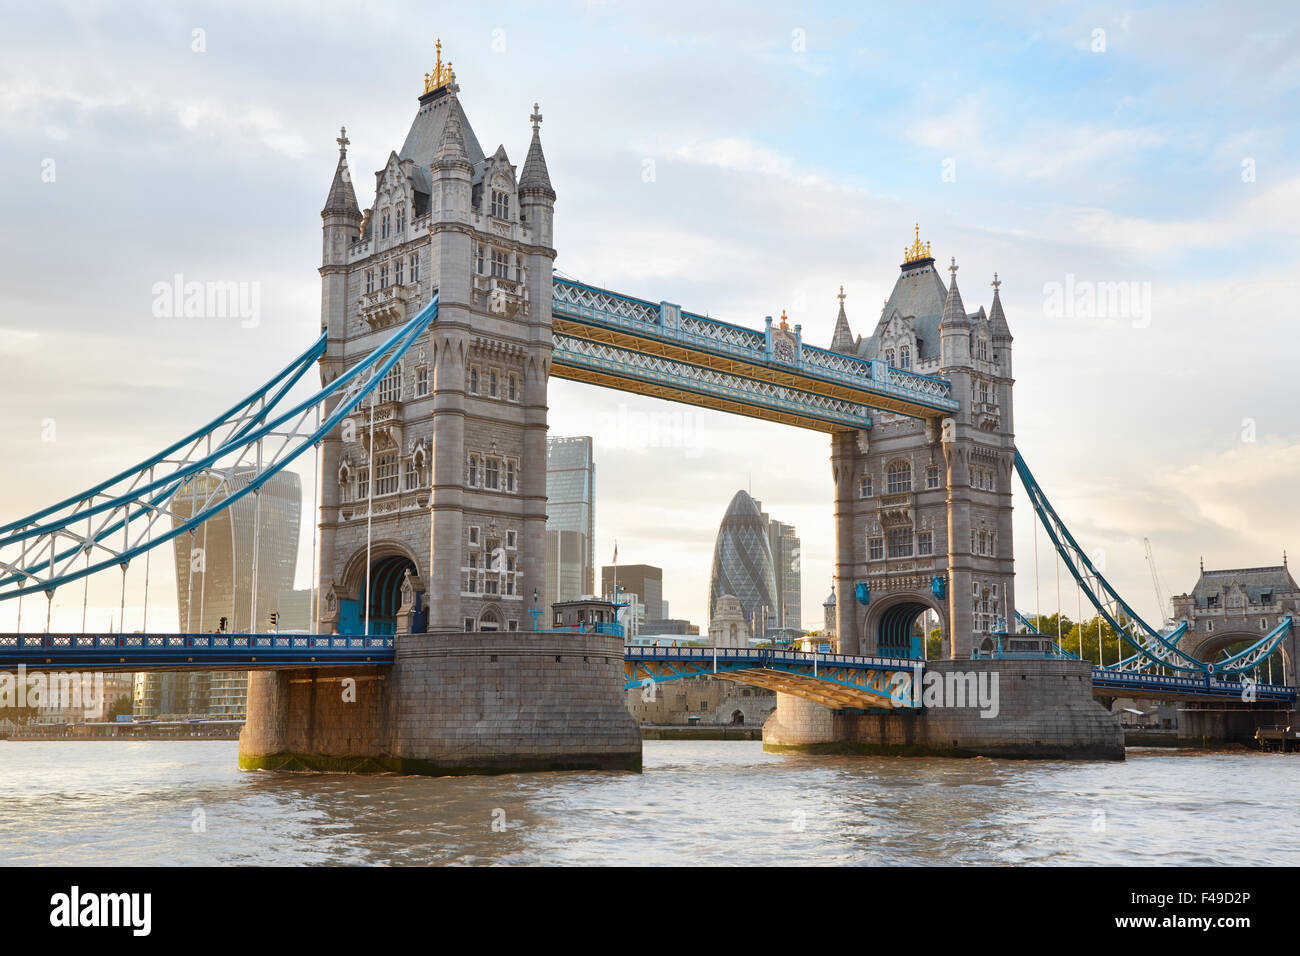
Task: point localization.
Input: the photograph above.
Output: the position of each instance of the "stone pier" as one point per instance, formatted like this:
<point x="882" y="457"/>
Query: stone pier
<point x="1045" y="709"/>
<point x="450" y="704"/>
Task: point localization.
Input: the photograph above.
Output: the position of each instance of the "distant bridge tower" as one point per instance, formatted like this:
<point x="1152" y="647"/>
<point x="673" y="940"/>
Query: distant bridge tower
<point x="923" y="508"/>
<point x="453" y="486"/>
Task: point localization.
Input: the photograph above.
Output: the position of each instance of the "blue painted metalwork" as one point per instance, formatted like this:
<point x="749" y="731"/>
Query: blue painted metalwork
<point x="1152" y="648"/>
<point x="33" y="543"/>
<point x="190" y="651"/>
<point x="598" y="627"/>
<point x="850" y="680"/>
<point x="1204" y="686"/>
<point x="666" y="324"/>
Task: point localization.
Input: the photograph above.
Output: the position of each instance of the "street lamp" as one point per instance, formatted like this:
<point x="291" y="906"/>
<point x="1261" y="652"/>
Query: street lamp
<point x="535" y="610"/>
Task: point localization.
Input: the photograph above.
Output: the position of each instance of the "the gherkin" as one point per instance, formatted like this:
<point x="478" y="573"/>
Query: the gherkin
<point x="742" y="563"/>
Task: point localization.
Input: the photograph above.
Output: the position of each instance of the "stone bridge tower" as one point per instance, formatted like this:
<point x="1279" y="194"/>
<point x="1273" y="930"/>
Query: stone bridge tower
<point x="923" y="508"/>
<point x="451" y="490"/>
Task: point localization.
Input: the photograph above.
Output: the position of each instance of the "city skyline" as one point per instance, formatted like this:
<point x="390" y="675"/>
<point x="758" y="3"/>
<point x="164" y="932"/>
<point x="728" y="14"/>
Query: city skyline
<point x="1180" y="206"/>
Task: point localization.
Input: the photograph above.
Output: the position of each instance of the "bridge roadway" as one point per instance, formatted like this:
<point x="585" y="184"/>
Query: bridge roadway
<point x="835" y="680"/>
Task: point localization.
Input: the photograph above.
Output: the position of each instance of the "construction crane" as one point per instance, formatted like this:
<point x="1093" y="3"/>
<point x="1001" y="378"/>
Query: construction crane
<point x="1161" y="602"/>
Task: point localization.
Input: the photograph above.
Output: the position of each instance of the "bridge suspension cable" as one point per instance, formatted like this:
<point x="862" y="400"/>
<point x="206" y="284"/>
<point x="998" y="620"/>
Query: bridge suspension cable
<point x="37" y="552"/>
<point x="1151" y="647"/>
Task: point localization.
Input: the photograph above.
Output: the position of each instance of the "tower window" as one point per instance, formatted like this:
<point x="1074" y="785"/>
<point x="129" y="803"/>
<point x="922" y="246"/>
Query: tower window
<point x="500" y="204"/>
<point x="932" y="477"/>
<point x="875" y="548"/>
<point x="905" y="357"/>
<point x="898" y="477"/>
<point x="490" y="472"/>
<point x="510" y="474"/>
<point x="415" y="267"/>
<point x="512" y="382"/>
<point x="473" y="379"/>
<point x="865" y="490"/>
<point x="384" y="223"/>
<point x="500" y="262"/>
<point x="386" y="474"/>
<point x="478" y="258"/>
<point x="401" y="219"/>
<point x="383" y="276"/>
<point x="925" y="542"/>
<point x="473" y="482"/>
<point x="422" y="380"/>
<point x="398" y="268"/>
<point x="492" y="383"/>
<point x="370" y="280"/>
<point x="889" y="357"/>
<point x="900" y="542"/>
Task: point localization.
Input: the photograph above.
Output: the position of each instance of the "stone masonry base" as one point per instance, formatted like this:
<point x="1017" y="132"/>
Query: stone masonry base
<point x="1045" y="710"/>
<point x="450" y="704"/>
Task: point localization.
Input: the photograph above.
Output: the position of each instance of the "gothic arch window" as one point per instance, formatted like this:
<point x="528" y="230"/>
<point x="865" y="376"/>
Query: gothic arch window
<point x="898" y="476"/>
<point x="401" y="219"/>
<point x="889" y="357"/>
<point x="905" y="356"/>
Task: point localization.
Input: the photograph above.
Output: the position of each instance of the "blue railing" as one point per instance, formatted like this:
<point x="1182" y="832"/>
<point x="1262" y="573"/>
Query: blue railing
<point x="1202" y="686"/>
<point x="248" y="651"/>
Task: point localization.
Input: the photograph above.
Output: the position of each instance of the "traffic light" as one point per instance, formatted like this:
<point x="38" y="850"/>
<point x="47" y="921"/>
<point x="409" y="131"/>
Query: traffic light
<point x="222" y="624"/>
<point x="275" y="618"/>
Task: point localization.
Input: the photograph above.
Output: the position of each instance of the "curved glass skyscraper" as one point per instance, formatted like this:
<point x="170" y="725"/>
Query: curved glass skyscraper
<point x="742" y="563"/>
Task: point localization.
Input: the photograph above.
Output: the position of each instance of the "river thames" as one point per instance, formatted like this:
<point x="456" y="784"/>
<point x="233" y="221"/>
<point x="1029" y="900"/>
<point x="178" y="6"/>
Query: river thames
<point x="183" y="803"/>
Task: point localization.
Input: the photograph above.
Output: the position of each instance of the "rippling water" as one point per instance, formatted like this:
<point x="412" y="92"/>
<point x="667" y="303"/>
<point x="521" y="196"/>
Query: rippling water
<point x="698" y="802"/>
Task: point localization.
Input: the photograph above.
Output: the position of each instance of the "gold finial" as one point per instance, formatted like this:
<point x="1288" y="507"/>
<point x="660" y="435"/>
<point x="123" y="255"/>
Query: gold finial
<point x="785" y="326"/>
<point x="841" y="297"/>
<point x="442" y="75"/>
<point x="916" y="252"/>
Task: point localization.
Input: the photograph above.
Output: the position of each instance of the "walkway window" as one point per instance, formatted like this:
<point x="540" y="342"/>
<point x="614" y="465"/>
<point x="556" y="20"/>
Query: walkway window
<point x="898" y="477"/>
<point x="900" y="542"/>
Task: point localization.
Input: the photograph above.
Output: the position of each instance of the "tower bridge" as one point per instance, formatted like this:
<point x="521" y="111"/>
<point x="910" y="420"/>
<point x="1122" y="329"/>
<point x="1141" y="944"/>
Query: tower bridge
<point x="442" y="322"/>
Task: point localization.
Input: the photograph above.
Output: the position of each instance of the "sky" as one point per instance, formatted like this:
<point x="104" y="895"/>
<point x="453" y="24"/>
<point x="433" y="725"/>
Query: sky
<point x="736" y="160"/>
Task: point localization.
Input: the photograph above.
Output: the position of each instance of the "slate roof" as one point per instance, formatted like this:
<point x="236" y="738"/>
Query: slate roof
<point x="1254" y="581"/>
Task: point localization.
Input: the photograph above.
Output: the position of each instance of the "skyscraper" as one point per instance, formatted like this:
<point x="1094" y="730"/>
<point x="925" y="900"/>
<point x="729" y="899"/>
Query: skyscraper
<point x="214" y="580"/>
<point x="570" y="519"/>
<point x="644" y="580"/>
<point x="784" y="543"/>
<point x="742" y="564"/>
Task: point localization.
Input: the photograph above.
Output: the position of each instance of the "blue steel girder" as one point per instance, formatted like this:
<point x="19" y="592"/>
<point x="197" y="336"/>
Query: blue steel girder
<point x="611" y="366"/>
<point x="170" y="652"/>
<point x="836" y="681"/>
<point x="662" y="330"/>
<point x="115" y="521"/>
<point x="1108" y="682"/>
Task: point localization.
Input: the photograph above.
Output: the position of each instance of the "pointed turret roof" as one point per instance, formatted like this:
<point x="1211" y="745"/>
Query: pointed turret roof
<point x="997" y="318"/>
<point x="842" y="340"/>
<point x="535" y="175"/>
<point x="451" y="141"/>
<point x="954" y="313"/>
<point x="342" y="197"/>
